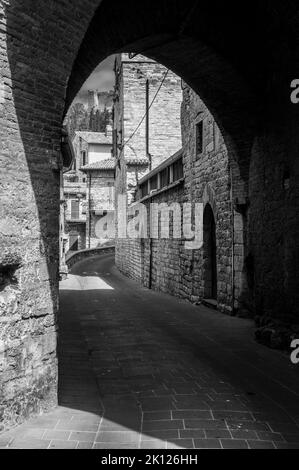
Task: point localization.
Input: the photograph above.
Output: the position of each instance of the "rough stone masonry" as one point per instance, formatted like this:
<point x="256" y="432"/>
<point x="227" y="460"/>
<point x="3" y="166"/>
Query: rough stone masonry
<point x="214" y="178"/>
<point x="170" y="266"/>
<point x="242" y="73"/>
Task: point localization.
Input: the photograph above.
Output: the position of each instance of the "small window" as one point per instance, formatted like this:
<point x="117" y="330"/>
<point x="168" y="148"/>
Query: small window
<point x="144" y="189"/>
<point x="84" y="159"/>
<point x="154" y="182"/>
<point x="199" y="138"/>
<point x="164" y="177"/>
<point x="178" y="171"/>
<point x="75" y="209"/>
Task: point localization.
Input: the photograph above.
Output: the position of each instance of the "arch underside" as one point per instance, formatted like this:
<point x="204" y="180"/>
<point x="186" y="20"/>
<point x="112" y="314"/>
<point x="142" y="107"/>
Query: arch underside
<point x="213" y="47"/>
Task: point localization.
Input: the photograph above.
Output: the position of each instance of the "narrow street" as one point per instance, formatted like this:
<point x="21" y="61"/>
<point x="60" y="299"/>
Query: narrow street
<point x="140" y="369"/>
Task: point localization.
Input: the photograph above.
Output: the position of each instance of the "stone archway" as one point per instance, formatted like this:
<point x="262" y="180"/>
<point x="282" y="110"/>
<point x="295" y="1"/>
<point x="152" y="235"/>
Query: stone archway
<point x="242" y="74"/>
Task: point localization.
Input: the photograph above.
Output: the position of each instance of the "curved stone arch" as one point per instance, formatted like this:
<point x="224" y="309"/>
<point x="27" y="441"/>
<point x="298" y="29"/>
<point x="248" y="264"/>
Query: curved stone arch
<point x="209" y="197"/>
<point x="232" y="65"/>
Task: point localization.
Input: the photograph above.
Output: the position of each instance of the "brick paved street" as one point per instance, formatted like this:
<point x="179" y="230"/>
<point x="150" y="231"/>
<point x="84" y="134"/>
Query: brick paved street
<point x="139" y="369"/>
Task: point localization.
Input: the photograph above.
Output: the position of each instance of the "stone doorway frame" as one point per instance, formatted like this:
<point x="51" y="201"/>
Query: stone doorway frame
<point x="210" y="264"/>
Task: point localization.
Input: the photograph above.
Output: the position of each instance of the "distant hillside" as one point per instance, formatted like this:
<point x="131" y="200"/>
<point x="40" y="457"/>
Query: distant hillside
<point x="91" y="111"/>
<point x="105" y="98"/>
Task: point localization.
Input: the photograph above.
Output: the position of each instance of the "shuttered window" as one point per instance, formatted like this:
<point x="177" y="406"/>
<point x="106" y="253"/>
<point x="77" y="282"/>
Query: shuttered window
<point x="75" y="210"/>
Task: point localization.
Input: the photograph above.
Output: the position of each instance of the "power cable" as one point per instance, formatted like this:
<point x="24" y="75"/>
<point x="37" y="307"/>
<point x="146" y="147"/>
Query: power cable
<point x="143" y="118"/>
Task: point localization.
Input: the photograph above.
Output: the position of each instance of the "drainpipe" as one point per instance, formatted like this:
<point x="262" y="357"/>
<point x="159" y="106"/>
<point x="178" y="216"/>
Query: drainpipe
<point x="148" y="155"/>
<point x="233" y="241"/>
<point x="89" y="210"/>
<point x="150" y="258"/>
<point x="150" y="262"/>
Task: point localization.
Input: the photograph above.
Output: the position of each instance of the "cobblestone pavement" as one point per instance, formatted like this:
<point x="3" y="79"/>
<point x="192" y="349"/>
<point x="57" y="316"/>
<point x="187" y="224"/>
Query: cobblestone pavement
<point x="140" y="369"/>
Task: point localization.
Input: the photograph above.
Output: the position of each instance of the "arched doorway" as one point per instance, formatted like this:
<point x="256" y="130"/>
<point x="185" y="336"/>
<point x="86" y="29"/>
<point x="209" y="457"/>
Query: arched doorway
<point x="210" y="254"/>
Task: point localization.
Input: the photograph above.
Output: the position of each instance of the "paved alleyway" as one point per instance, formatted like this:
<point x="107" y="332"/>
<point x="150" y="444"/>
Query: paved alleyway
<point x="139" y="369"/>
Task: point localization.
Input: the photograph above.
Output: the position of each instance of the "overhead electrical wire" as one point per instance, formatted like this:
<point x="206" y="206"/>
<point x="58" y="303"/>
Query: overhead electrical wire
<point x="143" y="118"/>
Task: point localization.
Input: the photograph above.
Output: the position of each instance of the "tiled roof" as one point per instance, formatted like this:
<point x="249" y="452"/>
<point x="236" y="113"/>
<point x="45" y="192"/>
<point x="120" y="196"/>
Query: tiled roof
<point x="137" y="161"/>
<point x="95" y="137"/>
<point x="108" y="164"/>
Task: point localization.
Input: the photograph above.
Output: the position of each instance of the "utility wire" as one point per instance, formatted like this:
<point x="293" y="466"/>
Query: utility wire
<point x="153" y="100"/>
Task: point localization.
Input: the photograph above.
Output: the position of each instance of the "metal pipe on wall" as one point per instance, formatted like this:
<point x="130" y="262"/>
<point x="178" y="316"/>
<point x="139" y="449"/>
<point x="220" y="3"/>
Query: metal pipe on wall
<point x="89" y="212"/>
<point x="148" y="155"/>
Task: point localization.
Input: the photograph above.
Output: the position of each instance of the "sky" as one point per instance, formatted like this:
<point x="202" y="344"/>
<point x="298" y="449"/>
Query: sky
<point x="102" y="79"/>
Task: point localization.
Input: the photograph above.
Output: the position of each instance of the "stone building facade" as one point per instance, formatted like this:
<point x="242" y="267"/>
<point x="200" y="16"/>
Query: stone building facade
<point x="75" y="214"/>
<point x="200" y="173"/>
<point x="90" y="148"/>
<point x="134" y="156"/>
<point x="100" y="203"/>
<point x="130" y="104"/>
<point x="68" y="156"/>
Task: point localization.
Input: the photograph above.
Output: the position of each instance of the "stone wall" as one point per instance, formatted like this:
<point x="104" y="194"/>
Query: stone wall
<point x="130" y="107"/>
<point x="175" y="269"/>
<point x="207" y="180"/>
<point x="253" y="206"/>
<point x="74" y="258"/>
<point x="100" y="201"/>
<point x="164" y="115"/>
<point x="35" y="63"/>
